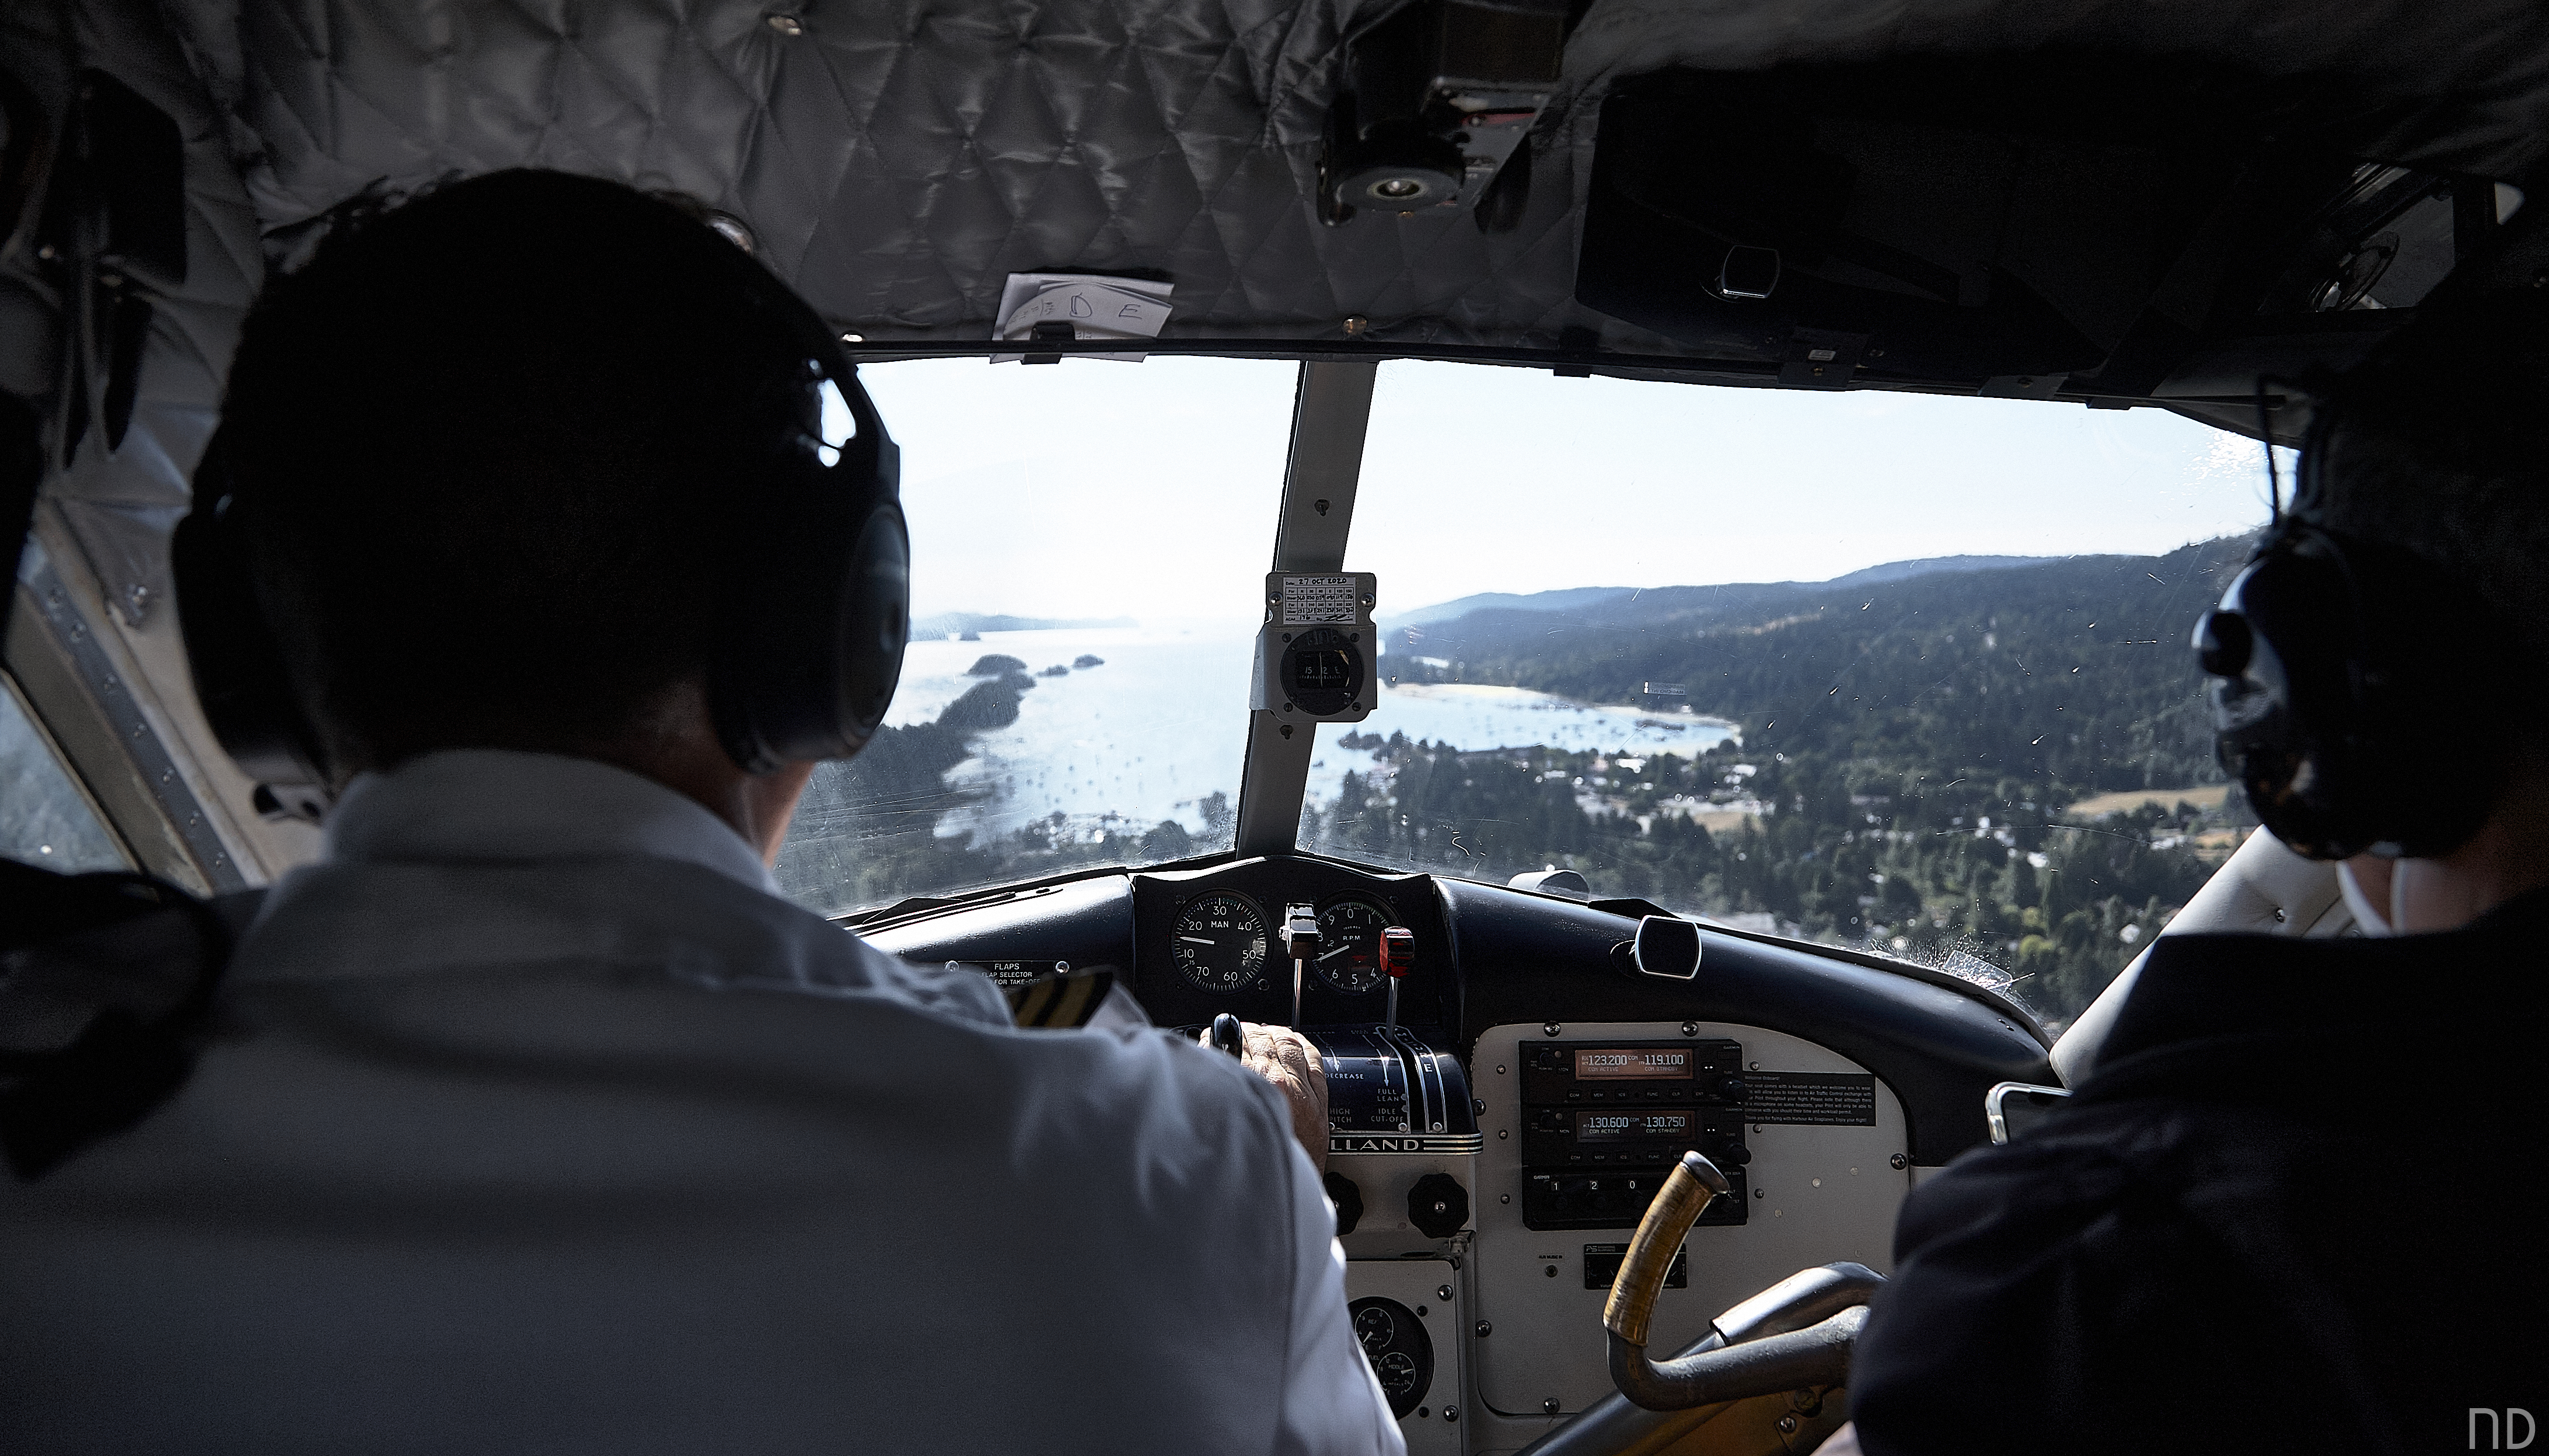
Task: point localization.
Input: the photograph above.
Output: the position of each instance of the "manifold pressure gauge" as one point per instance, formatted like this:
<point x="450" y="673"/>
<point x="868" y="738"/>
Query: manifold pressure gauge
<point x="1218" y="943"/>
<point x="1315" y="657"/>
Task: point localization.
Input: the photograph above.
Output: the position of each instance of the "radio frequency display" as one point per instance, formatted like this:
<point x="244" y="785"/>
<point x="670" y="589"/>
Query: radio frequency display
<point x="1600" y="1064"/>
<point x="1627" y="1127"/>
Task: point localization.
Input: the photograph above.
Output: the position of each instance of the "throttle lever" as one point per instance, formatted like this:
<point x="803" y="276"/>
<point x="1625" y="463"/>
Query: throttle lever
<point x="1225" y="1034"/>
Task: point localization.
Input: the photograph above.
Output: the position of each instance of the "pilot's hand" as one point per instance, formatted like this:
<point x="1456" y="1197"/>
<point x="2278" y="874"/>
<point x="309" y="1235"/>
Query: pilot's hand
<point x="1286" y="1058"/>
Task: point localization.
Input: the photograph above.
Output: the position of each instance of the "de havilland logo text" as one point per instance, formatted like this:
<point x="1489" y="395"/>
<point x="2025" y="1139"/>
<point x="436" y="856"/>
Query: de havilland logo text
<point x="1442" y="1145"/>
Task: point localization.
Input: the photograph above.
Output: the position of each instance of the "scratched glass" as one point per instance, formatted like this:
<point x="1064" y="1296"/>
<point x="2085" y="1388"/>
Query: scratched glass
<point x="50" y="819"/>
<point x="1090" y="539"/>
<point x="1906" y="674"/>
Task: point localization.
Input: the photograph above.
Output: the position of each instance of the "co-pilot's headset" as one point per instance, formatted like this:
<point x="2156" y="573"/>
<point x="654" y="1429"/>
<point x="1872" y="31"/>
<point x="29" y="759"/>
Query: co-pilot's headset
<point x="811" y="630"/>
<point x="2356" y="689"/>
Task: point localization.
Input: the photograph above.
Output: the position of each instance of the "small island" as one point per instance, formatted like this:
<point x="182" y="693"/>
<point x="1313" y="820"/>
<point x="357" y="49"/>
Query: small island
<point x="1087" y="661"/>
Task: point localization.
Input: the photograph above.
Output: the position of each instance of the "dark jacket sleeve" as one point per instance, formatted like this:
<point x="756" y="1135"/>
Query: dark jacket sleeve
<point x="2051" y="1295"/>
<point x="2056" y="1295"/>
<point x="1967" y="1348"/>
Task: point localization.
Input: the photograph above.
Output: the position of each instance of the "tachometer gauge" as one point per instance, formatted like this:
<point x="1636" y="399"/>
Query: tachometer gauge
<point x="1350" y="945"/>
<point x="1220" y="943"/>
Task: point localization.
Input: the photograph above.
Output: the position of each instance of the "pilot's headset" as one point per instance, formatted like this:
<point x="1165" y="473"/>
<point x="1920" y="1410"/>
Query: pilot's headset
<point x="810" y="630"/>
<point x="2357" y="689"/>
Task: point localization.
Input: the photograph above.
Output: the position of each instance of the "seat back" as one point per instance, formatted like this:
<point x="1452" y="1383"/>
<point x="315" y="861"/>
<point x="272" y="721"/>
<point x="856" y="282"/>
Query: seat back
<point x="2262" y="889"/>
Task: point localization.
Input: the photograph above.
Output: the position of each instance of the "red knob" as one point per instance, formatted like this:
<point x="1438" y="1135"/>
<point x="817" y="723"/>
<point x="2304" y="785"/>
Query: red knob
<point x="1399" y="950"/>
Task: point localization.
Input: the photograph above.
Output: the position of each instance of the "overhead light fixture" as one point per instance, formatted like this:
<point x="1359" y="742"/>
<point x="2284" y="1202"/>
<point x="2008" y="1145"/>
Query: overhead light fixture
<point x="1432" y="100"/>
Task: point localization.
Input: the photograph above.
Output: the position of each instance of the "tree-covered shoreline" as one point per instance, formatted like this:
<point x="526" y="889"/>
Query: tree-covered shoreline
<point x="1908" y="750"/>
<point x="1908" y="746"/>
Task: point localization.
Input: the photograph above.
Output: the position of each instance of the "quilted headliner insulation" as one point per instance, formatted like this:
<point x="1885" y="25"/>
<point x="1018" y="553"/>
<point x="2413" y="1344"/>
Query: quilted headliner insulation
<point x="897" y="160"/>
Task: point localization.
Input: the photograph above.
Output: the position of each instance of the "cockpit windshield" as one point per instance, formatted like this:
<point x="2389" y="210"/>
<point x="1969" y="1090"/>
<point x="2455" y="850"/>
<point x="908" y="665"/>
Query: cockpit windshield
<point x="1904" y="673"/>
<point x="1901" y="673"/>
<point x="1087" y="544"/>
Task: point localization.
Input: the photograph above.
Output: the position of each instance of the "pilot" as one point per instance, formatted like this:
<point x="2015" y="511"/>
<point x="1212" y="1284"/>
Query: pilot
<point x="534" y="1117"/>
<point x="2295" y="1205"/>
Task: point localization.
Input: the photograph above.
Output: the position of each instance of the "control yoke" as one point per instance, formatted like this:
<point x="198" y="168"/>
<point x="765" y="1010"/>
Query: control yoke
<point x="1806" y="1325"/>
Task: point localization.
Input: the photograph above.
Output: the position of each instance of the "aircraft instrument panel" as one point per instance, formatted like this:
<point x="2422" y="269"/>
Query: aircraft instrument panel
<point x="1214" y="940"/>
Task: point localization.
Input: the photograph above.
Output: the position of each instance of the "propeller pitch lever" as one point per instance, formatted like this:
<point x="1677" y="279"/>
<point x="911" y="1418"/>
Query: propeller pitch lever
<point x="1301" y="942"/>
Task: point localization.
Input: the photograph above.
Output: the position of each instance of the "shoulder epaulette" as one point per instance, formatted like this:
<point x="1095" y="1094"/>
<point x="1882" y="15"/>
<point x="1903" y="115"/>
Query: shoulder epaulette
<point x="1062" y="1001"/>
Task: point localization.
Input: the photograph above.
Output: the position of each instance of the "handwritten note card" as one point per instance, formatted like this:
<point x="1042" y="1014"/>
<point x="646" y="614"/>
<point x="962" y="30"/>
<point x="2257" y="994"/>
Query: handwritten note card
<point x="1093" y="307"/>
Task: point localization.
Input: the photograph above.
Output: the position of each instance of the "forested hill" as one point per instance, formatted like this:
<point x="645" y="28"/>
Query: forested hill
<point x="2067" y="677"/>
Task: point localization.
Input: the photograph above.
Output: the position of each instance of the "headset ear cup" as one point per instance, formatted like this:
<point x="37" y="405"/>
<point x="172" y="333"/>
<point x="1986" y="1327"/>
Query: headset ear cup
<point x="876" y="623"/>
<point x="819" y="612"/>
<point x="815" y="602"/>
<point x="237" y="668"/>
<point x="2321" y="699"/>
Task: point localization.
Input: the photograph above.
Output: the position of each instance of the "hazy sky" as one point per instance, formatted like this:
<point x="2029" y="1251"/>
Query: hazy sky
<point x="1099" y="489"/>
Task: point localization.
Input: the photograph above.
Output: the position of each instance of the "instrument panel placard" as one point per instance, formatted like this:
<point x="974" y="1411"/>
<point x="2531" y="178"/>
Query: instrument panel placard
<point x="1812" y="1098"/>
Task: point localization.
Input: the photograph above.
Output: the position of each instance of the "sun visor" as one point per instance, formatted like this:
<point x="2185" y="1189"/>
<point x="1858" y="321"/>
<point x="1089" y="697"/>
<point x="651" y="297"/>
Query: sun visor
<point x="2077" y="225"/>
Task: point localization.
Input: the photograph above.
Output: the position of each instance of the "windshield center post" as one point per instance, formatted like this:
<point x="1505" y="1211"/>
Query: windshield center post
<point x="1331" y="411"/>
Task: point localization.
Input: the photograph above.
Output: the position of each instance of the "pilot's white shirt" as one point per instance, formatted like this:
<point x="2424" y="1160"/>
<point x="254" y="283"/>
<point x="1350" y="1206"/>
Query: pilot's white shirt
<point x="538" y="1120"/>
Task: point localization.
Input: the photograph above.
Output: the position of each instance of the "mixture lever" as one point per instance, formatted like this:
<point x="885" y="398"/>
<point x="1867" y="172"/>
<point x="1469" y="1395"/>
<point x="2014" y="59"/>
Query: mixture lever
<point x="1398" y="958"/>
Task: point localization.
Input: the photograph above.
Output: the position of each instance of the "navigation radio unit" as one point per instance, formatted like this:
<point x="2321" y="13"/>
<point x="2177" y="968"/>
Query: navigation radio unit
<point x="1603" y="1122"/>
<point x="1566" y="1072"/>
<point x="1630" y="1137"/>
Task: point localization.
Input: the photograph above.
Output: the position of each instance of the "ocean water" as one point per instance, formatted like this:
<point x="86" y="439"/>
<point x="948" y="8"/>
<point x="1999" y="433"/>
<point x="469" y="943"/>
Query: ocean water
<point x="1161" y="726"/>
<point x="1146" y="737"/>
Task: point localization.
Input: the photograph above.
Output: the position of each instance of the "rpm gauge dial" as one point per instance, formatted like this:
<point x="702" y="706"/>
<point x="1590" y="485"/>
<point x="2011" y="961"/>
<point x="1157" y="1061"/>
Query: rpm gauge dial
<point x="1350" y="945"/>
<point x="1220" y="943"/>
